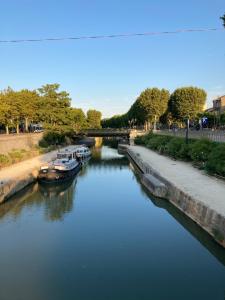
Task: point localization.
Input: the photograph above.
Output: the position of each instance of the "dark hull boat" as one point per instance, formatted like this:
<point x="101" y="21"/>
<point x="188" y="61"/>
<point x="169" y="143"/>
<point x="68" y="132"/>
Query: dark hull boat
<point x="51" y="175"/>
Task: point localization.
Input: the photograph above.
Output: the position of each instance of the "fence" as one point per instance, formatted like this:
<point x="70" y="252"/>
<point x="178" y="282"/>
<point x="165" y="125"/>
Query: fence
<point x="216" y="135"/>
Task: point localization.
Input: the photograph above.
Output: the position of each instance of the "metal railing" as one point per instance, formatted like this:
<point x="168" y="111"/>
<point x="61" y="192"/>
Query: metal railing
<point x="216" y="135"/>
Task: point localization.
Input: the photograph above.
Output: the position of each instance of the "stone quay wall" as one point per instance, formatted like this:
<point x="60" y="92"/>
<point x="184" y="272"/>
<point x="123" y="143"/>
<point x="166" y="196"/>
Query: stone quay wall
<point x="18" y="141"/>
<point x="210" y="220"/>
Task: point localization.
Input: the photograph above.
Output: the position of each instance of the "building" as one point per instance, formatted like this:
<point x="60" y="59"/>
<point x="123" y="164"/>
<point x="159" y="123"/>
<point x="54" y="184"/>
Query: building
<point x="218" y="105"/>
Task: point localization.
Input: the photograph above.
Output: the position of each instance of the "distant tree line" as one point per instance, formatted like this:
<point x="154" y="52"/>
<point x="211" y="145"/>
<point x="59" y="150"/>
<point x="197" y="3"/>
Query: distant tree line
<point x="46" y="105"/>
<point x="157" y="105"/>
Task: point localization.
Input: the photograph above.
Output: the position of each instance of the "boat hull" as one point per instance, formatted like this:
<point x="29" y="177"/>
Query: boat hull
<point x="55" y="176"/>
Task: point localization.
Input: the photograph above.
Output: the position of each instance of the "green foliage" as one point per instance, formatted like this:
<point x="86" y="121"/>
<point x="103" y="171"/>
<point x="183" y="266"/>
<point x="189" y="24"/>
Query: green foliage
<point x="201" y="150"/>
<point x="150" y="105"/>
<point x="94" y="119"/>
<point x="216" y="160"/>
<point x="203" y="153"/>
<point x="140" y="140"/>
<point x="4" y="160"/>
<point x="187" y="102"/>
<point x="46" y="105"/>
<point x="16" y="155"/>
<point x="117" y="121"/>
<point x="52" y="138"/>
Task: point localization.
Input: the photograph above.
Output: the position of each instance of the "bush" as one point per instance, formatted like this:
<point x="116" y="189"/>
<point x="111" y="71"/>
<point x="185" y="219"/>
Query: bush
<point x="52" y="138"/>
<point x="4" y="160"/>
<point x="139" y="140"/>
<point x="174" y="147"/>
<point x="157" y="142"/>
<point x="201" y="150"/>
<point x="216" y="160"/>
<point x="17" y="155"/>
<point x="204" y="153"/>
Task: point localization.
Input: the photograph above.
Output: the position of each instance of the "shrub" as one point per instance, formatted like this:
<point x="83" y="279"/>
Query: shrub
<point x="4" y="160"/>
<point x="43" y="143"/>
<point x="157" y="142"/>
<point x="139" y="140"/>
<point x="17" y="155"/>
<point x="174" y="147"/>
<point x="216" y="160"/>
<point x="200" y="150"/>
<point x="52" y="138"/>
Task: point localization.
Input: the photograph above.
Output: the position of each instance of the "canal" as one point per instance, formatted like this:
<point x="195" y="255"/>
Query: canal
<point x="103" y="237"/>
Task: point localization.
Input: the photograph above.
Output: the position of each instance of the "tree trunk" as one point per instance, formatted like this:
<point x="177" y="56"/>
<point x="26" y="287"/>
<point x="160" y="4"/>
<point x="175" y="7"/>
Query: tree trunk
<point x="26" y="124"/>
<point x="7" y="129"/>
<point x="17" y="129"/>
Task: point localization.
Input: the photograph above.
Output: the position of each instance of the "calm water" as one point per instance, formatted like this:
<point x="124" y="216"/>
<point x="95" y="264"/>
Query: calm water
<point x="102" y="237"/>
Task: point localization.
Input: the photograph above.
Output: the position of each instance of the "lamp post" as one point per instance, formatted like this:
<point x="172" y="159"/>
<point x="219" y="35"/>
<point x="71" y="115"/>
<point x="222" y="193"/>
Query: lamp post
<point x="187" y="130"/>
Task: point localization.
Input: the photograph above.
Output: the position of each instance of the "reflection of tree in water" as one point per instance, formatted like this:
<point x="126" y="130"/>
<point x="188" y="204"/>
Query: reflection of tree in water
<point x="56" y="200"/>
<point x="112" y="142"/>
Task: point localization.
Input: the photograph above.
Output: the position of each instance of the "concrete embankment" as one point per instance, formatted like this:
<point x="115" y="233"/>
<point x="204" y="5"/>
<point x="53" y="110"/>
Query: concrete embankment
<point x="199" y="196"/>
<point x="19" y="141"/>
<point x="16" y="177"/>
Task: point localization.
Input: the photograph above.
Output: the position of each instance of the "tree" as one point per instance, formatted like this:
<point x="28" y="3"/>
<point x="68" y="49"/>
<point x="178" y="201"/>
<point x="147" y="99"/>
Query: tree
<point x="223" y="18"/>
<point x="187" y="103"/>
<point x="94" y="118"/>
<point x="53" y="105"/>
<point x="76" y="118"/>
<point x="28" y="102"/>
<point x="4" y="112"/>
<point x="150" y="105"/>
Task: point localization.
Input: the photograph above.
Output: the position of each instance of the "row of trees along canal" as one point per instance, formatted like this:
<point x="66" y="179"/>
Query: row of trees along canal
<point x="46" y="105"/>
<point x="157" y="105"/>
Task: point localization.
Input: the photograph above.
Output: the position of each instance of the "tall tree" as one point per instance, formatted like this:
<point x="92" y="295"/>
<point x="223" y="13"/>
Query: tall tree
<point x="76" y="118"/>
<point x="150" y="105"/>
<point x="4" y="112"/>
<point x="187" y="102"/>
<point x="94" y="118"/>
<point x="28" y="102"/>
<point x="53" y="104"/>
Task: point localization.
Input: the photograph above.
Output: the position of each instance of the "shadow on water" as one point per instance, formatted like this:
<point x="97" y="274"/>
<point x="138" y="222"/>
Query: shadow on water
<point x="56" y="200"/>
<point x="201" y="235"/>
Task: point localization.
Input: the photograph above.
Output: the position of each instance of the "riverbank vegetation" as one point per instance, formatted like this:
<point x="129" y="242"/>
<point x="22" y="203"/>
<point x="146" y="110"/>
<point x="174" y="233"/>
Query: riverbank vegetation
<point x="46" y="105"/>
<point x="18" y="155"/>
<point x="157" y="105"/>
<point x="204" y="154"/>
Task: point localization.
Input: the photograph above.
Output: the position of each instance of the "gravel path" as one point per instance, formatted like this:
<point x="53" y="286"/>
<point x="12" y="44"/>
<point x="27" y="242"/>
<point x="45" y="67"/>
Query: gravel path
<point x="14" y="171"/>
<point x="192" y="181"/>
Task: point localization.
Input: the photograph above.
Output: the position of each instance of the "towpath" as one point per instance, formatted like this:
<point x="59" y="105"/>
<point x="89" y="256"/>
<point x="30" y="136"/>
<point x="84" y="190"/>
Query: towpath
<point x="14" y="171"/>
<point x="194" y="182"/>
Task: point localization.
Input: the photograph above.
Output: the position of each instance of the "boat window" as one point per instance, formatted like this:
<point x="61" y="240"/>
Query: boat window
<point x="61" y="155"/>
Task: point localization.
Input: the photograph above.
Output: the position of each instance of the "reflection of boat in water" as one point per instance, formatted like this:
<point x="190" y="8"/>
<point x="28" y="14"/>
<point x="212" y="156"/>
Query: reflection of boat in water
<point x="67" y="164"/>
<point x="50" y="190"/>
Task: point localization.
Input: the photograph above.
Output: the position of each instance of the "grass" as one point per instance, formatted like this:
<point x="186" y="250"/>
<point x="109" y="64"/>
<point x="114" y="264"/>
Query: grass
<point x="18" y="155"/>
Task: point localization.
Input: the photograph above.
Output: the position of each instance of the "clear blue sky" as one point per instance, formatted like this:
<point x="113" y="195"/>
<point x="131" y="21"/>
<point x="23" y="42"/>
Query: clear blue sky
<point x="109" y="74"/>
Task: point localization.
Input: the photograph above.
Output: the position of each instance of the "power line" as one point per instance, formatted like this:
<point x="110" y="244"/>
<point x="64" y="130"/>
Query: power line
<point x="124" y="35"/>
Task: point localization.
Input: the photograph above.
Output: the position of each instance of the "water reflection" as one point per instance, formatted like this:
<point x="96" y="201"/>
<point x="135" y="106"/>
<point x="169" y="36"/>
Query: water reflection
<point x="102" y="236"/>
<point x="59" y="200"/>
<point x="55" y="200"/>
<point x="193" y="228"/>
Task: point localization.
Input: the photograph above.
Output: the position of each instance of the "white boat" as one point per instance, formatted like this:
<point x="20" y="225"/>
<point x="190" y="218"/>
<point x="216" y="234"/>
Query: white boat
<point x="83" y="152"/>
<point x="62" y="168"/>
